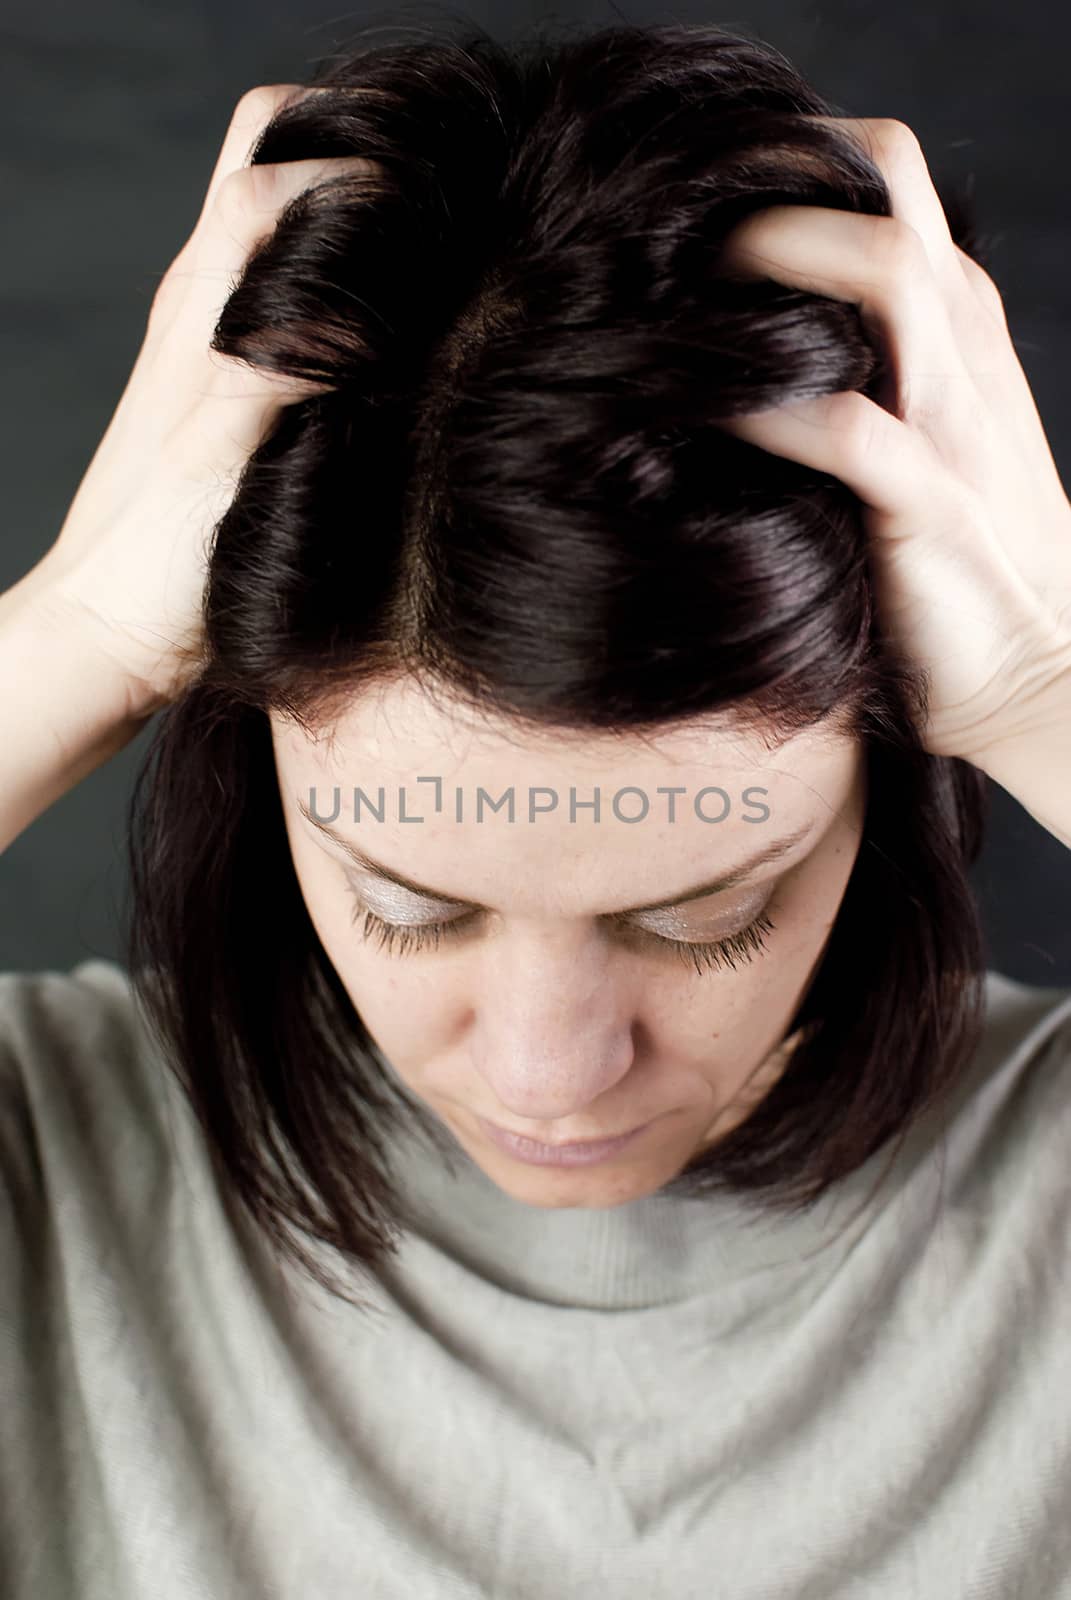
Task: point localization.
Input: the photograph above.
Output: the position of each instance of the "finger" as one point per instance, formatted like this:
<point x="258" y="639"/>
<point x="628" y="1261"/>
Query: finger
<point x="271" y="191"/>
<point x="896" y="150"/>
<point x="878" y="264"/>
<point x="883" y="461"/>
<point x="250" y="117"/>
<point x="249" y="203"/>
<point x="246" y="209"/>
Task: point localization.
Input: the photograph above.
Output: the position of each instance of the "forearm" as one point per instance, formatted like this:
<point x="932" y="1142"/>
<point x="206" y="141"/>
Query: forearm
<point x="64" y="709"/>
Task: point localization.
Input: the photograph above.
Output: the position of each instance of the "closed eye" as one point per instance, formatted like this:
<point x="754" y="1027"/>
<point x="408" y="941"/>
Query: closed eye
<point x="396" y="938"/>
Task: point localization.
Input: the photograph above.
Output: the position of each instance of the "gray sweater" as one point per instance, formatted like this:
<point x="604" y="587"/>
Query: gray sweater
<point x="657" y="1399"/>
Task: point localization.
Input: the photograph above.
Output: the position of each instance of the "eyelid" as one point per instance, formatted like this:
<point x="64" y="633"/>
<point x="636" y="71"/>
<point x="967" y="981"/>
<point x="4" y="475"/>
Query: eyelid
<point x="397" y="905"/>
<point x="670" y="921"/>
<point x="690" y="913"/>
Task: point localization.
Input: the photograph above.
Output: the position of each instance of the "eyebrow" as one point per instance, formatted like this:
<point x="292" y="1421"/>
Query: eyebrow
<point x="729" y="880"/>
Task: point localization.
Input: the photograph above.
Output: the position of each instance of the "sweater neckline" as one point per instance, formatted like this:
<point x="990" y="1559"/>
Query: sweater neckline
<point x="656" y="1250"/>
<point x="666" y="1248"/>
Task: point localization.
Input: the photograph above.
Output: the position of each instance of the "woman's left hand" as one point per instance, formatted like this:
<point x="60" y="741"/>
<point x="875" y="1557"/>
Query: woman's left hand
<point x="964" y="506"/>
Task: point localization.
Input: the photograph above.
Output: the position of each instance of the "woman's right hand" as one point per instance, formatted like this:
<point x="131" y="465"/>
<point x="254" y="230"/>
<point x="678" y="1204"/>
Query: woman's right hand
<point x="131" y="559"/>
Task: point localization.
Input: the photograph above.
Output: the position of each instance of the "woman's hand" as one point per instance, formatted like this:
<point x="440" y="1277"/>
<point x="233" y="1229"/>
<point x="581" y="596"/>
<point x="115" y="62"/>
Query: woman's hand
<point x="967" y="515"/>
<point x="130" y="562"/>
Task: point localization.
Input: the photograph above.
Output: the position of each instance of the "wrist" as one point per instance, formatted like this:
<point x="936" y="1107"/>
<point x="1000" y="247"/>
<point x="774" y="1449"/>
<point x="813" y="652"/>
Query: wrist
<point x="1034" y="702"/>
<point x="64" y="711"/>
<point x="61" y="638"/>
<point x="49" y="606"/>
<point x="1030" y="755"/>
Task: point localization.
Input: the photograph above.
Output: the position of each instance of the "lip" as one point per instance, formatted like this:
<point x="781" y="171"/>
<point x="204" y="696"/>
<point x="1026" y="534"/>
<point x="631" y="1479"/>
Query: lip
<point x="581" y="1154"/>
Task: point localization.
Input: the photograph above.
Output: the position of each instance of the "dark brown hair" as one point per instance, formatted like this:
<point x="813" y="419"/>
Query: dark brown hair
<point x="516" y="488"/>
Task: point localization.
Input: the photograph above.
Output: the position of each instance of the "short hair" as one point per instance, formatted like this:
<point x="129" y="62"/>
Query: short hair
<point x="515" y="488"/>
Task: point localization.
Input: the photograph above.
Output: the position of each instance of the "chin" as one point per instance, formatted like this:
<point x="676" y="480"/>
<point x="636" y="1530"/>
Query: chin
<point x="590" y="1189"/>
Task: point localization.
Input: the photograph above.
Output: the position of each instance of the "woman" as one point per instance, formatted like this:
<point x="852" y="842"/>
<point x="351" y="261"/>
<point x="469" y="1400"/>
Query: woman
<point x="582" y="523"/>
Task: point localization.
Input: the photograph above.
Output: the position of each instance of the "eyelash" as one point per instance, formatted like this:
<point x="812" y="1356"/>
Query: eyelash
<point x="741" y="946"/>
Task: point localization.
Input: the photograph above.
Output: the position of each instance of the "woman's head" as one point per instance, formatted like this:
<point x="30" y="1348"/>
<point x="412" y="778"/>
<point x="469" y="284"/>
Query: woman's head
<point x="512" y="976"/>
<point x="510" y="548"/>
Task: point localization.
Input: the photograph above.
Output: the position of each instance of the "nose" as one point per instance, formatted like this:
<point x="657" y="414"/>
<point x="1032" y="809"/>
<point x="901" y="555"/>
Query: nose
<point x="552" y="1032"/>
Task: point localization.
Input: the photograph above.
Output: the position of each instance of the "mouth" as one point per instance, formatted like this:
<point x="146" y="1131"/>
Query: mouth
<point x="582" y="1152"/>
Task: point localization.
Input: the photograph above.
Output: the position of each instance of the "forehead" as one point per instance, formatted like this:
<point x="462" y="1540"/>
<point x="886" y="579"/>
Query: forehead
<point x="399" y="722"/>
<point x="416" y="755"/>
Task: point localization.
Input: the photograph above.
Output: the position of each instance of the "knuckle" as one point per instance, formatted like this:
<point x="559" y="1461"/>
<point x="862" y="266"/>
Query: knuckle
<point x="900" y="250"/>
<point x="165" y="293"/>
<point x="899" y="143"/>
<point x="899" y="154"/>
<point x="851" y="418"/>
<point x="246" y="191"/>
<point x="231" y="196"/>
<point x="267" y="186"/>
<point x="259" y="103"/>
<point x="982" y="284"/>
<point x="898" y="134"/>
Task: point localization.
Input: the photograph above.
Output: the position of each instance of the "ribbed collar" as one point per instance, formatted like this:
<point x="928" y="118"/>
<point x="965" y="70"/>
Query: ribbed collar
<point x="647" y="1252"/>
<point x="663" y="1249"/>
<point x="652" y="1251"/>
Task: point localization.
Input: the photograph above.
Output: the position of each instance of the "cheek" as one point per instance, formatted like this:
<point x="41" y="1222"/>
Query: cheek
<point x="747" y="1007"/>
<point x="409" y="1008"/>
<point x="414" y="1015"/>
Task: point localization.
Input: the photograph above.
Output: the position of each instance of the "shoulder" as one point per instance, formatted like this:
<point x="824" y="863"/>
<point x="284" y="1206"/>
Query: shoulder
<point x="1010" y="1136"/>
<point x="1026" y="1043"/>
<point x="86" y="1100"/>
<point x="78" y="1032"/>
<point x="1023" y="1011"/>
<point x="49" y="1010"/>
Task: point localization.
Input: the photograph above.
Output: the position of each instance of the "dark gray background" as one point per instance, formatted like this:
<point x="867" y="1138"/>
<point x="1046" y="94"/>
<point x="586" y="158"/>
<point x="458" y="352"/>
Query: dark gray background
<point x="111" y="117"/>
